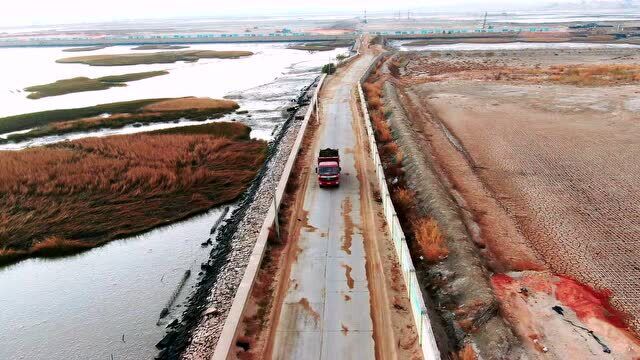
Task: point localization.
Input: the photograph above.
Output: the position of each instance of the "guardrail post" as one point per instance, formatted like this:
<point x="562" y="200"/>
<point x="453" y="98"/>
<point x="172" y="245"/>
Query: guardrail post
<point x="276" y="220"/>
<point x="423" y="315"/>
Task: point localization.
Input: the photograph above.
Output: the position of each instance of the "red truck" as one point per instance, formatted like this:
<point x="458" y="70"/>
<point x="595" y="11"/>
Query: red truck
<point x="328" y="168"/>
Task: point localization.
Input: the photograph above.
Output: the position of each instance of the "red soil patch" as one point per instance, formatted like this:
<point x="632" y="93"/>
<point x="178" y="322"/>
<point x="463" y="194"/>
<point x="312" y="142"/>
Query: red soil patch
<point x="559" y="316"/>
<point x="588" y="302"/>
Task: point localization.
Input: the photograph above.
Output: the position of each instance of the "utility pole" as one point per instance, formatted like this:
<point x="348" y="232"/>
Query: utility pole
<point x="484" y="22"/>
<point x="365" y="16"/>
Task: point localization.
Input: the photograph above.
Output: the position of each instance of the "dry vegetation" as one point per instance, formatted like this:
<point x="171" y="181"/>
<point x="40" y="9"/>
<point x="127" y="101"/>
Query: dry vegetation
<point x="78" y="194"/>
<point x="163" y="57"/>
<point x="191" y="103"/>
<point x="430" y="240"/>
<point x="483" y="66"/>
<point x="57" y="122"/>
<point x="426" y="233"/>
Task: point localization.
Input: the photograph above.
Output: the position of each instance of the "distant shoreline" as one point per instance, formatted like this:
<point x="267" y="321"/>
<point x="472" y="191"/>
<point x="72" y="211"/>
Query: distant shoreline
<point x="172" y="40"/>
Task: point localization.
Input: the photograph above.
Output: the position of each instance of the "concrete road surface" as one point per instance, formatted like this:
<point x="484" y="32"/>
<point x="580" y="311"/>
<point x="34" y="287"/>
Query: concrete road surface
<point x="326" y="313"/>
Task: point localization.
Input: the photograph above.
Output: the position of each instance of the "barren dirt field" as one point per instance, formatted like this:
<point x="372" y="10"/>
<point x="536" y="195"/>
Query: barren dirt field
<point x="541" y="147"/>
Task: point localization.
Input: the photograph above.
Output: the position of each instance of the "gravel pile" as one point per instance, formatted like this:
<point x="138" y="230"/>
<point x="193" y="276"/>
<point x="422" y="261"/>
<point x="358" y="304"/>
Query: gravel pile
<point x="197" y="335"/>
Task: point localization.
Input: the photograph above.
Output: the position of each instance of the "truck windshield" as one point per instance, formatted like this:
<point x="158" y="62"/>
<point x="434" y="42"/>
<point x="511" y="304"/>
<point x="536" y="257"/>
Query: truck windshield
<point x="328" y="170"/>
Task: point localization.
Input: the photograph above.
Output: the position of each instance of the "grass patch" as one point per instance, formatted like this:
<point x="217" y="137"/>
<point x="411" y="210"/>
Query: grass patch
<point x="75" y="195"/>
<point x="132" y="76"/>
<point x="163" y="57"/>
<point x="67" y="86"/>
<point x="80" y="84"/>
<point x="58" y="122"/>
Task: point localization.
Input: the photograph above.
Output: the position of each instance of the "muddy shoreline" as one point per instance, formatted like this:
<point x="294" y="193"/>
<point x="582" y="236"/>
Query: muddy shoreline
<point x="202" y="321"/>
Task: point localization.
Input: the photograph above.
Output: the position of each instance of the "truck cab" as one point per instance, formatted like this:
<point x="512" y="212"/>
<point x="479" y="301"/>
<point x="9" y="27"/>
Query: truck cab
<point x="328" y="168"/>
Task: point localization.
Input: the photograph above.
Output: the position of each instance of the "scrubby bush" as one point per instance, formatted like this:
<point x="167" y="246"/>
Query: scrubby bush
<point x="431" y="242"/>
<point x="329" y="69"/>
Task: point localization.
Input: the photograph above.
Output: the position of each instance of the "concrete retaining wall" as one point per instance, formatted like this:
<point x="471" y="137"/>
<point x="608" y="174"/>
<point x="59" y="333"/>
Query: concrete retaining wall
<point x="419" y="310"/>
<point x="226" y="342"/>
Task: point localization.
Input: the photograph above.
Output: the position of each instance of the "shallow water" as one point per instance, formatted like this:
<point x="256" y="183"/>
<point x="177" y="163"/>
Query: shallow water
<point x="80" y="307"/>
<point x="262" y="83"/>
<point x="400" y="44"/>
<point x="23" y="67"/>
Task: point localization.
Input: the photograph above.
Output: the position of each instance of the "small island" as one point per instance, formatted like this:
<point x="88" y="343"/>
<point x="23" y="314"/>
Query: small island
<point x="85" y="48"/>
<point x="112" y="116"/>
<point x="79" y="84"/>
<point x="162" y="57"/>
<point x="321" y="45"/>
<point x="71" y="196"/>
<point x="160" y="47"/>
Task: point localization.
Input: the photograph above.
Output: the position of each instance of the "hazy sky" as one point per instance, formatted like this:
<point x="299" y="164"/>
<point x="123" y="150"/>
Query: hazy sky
<point x="27" y="12"/>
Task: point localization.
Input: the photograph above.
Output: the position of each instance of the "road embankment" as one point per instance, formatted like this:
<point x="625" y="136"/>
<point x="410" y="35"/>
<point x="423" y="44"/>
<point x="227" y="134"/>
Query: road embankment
<point x="239" y="245"/>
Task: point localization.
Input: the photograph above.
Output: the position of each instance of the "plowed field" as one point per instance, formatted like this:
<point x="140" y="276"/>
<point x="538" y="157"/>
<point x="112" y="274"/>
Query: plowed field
<point x="559" y="157"/>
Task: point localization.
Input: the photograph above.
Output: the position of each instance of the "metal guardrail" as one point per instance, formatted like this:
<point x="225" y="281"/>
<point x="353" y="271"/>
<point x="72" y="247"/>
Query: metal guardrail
<point x="226" y="342"/>
<point x="419" y="310"/>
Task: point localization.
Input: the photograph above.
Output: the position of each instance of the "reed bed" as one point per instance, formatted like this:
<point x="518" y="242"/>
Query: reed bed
<point x="86" y="192"/>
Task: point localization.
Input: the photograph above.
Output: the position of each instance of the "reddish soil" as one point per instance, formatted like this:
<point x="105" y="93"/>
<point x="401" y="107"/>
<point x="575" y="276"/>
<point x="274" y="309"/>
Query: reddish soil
<point x="558" y="315"/>
<point x="348" y="226"/>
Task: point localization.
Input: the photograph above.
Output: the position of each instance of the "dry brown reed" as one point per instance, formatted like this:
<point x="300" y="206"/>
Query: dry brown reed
<point x="96" y="189"/>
